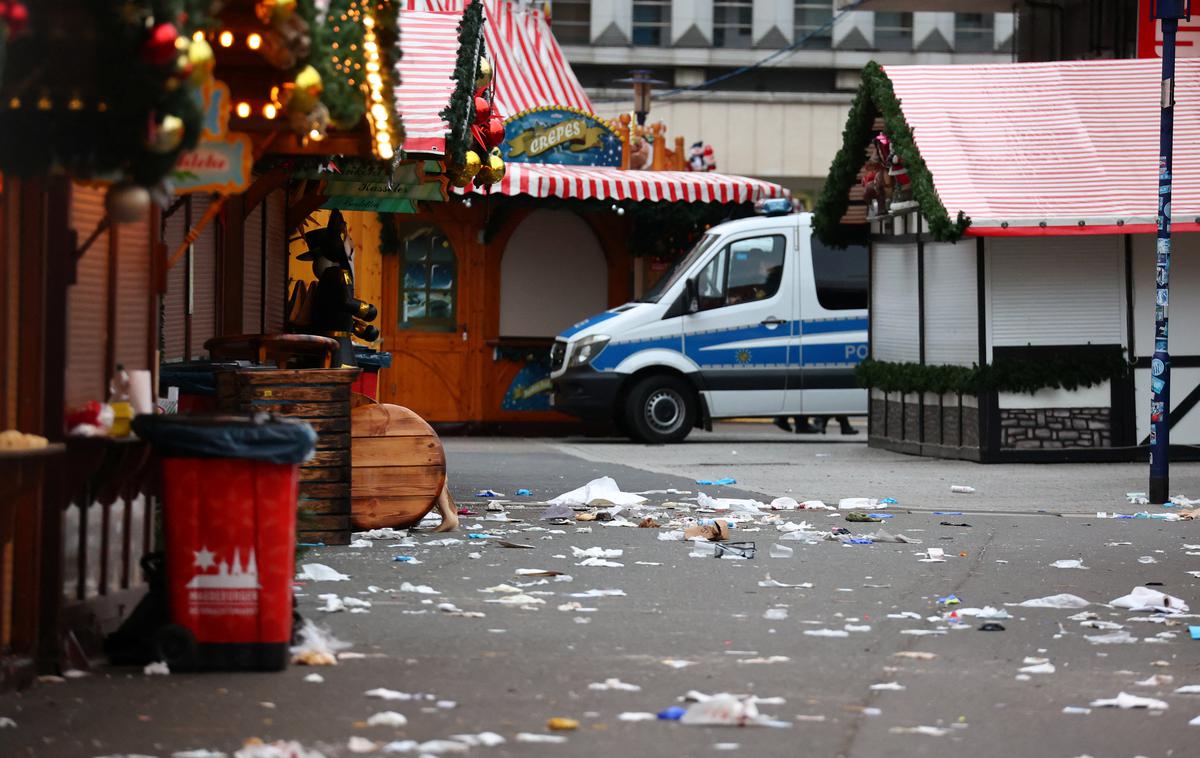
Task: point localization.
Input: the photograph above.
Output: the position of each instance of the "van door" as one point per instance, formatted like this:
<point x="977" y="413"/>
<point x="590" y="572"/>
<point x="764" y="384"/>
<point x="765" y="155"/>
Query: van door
<point x="832" y="330"/>
<point x="739" y="337"/>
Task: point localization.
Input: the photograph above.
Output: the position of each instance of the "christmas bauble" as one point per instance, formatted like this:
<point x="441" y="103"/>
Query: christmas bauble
<point x="482" y="111"/>
<point x="493" y="133"/>
<point x="496" y="165"/>
<point x="457" y="176"/>
<point x="16" y="16"/>
<point x="472" y="164"/>
<point x="305" y="90"/>
<point x="484" y="77"/>
<point x="127" y="202"/>
<point x="159" y="47"/>
<point x="200" y="53"/>
<point x="166" y="136"/>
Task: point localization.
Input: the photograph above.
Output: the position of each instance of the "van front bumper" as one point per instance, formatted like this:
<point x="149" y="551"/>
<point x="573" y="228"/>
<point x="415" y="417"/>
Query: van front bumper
<point x="587" y="393"/>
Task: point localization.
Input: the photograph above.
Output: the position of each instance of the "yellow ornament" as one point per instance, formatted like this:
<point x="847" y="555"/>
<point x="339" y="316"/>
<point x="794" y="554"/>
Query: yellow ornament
<point x="306" y="89"/>
<point x="200" y="54"/>
<point x="167" y="136"/>
<point x="484" y="77"/>
<point x="492" y="171"/>
<point x="472" y="164"/>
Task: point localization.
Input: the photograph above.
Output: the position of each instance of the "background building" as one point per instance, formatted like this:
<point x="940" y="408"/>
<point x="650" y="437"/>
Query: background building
<point x="781" y="121"/>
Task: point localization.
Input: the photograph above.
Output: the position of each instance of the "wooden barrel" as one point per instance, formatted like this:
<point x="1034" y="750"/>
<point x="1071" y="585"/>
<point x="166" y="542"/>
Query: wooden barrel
<point x="322" y="398"/>
<point x="399" y="467"/>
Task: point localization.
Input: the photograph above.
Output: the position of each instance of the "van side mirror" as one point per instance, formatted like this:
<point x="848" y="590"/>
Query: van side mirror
<point x="692" y="295"/>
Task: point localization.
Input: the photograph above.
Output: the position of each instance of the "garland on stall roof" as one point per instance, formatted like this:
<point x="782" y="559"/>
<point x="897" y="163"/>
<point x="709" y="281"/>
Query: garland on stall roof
<point x="877" y="96"/>
<point x="459" y="113"/>
<point x="1067" y="369"/>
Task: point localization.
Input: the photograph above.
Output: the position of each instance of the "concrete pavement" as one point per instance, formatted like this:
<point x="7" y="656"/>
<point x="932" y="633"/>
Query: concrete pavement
<point x="513" y="669"/>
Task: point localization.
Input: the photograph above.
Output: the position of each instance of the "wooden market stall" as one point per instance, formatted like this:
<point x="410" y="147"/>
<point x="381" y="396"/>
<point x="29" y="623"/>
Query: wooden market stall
<point x="1012" y="245"/>
<point x="474" y="285"/>
<point x="142" y="217"/>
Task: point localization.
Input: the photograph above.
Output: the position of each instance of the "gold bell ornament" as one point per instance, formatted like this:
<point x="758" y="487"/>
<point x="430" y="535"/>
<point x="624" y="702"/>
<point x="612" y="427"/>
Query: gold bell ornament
<point x="305" y="91"/>
<point x="461" y="176"/>
<point x="484" y="77"/>
<point x="493" y="171"/>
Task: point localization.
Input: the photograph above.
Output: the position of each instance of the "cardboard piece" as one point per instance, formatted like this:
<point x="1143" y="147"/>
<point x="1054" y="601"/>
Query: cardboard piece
<point x="717" y="531"/>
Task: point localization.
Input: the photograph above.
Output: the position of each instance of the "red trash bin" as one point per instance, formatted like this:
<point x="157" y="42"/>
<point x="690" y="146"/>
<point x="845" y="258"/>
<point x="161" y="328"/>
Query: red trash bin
<point x="229" y="489"/>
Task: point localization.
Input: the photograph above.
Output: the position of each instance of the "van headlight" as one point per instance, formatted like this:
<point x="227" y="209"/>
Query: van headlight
<point x="586" y="350"/>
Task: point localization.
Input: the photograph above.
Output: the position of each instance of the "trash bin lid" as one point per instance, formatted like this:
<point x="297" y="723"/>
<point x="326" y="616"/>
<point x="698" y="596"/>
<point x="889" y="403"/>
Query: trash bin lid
<point x="261" y="437"/>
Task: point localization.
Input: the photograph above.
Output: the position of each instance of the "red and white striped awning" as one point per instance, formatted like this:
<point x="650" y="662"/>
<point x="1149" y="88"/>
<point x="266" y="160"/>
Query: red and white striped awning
<point x="608" y="183"/>
<point x="1053" y="148"/>
<point x="530" y="70"/>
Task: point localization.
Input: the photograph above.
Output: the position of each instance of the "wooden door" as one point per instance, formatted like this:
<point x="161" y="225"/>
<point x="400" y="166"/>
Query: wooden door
<point x="429" y="326"/>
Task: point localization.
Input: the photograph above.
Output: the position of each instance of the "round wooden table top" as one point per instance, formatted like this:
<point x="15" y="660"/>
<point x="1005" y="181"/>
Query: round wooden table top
<point x="398" y="467"/>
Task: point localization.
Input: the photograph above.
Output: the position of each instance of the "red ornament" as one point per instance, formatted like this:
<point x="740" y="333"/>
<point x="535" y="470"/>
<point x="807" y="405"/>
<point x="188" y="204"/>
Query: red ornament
<point x="482" y="111"/>
<point x="481" y="139"/>
<point x="159" y="47"/>
<point x="16" y="16"/>
<point x="494" y="132"/>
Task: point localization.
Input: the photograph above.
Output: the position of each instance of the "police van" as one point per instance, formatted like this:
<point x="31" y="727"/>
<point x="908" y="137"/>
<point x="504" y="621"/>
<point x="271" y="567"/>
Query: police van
<point x="759" y="319"/>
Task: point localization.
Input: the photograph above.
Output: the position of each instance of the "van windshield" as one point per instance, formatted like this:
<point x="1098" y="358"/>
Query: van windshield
<point x="655" y="293"/>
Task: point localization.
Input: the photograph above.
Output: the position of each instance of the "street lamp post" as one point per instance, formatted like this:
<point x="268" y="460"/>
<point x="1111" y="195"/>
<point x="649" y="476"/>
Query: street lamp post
<point x="1169" y="12"/>
<point x="643" y="85"/>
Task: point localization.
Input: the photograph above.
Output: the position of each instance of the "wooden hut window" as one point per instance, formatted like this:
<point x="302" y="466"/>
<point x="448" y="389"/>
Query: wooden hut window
<point x="429" y="290"/>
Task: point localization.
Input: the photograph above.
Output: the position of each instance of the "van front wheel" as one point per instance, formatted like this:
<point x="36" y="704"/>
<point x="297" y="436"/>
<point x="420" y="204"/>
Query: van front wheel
<point x="660" y="409"/>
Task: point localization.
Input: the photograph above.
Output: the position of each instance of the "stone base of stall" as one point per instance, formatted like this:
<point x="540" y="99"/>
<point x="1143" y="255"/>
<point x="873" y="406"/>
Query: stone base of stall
<point x="984" y="429"/>
<point x="940" y="426"/>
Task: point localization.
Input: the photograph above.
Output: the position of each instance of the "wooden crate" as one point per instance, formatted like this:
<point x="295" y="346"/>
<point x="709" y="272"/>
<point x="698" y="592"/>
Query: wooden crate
<point x="322" y="398"/>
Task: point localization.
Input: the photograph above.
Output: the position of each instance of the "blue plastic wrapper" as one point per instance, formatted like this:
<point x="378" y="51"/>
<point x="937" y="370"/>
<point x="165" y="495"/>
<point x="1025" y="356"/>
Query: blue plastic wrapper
<point x="523" y="492"/>
<point x="674" y="713"/>
<point x="270" y="439"/>
<point x="403" y="558"/>
<point x="717" y="482"/>
<point x="858" y="541"/>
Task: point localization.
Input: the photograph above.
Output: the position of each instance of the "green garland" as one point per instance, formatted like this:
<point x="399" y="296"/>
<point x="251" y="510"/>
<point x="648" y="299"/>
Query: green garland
<point x="333" y="37"/>
<point x="460" y="112"/>
<point x="93" y="124"/>
<point x="877" y="96"/>
<point x="1067" y="369"/>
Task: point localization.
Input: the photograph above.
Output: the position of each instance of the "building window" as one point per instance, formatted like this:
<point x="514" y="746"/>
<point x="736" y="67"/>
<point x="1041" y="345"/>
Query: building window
<point x="893" y="31"/>
<point x="571" y="21"/>
<point x="811" y="15"/>
<point x="974" y="32"/>
<point x="652" y="22"/>
<point x="428" y="291"/>
<point x="732" y="23"/>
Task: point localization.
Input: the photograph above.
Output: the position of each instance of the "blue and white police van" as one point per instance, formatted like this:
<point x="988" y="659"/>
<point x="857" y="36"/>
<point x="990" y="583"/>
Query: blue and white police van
<point x="759" y="319"/>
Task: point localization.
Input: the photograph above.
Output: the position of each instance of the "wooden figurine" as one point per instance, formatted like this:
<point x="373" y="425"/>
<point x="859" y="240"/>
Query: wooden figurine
<point x="335" y="312"/>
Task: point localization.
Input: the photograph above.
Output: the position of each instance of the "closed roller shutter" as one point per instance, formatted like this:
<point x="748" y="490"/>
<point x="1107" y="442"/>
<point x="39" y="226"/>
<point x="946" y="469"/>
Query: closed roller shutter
<point x="87" y="302"/>
<point x="276" y="274"/>
<point x="894" y="331"/>
<point x="174" y="302"/>
<point x="252" y="272"/>
<point x="132" y="338"/>
<point x="951" y="304"/>
<point x="204" y="284"/>
<point x="1057" y="290"/>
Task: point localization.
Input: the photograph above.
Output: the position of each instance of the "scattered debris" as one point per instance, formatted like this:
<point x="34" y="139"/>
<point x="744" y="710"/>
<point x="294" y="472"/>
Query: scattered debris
<point x="1126" y="701"/>
<point x="319" y="572"/>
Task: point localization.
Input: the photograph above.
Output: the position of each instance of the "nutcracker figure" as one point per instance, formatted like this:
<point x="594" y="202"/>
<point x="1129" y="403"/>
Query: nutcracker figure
<point x="335" y="311"/>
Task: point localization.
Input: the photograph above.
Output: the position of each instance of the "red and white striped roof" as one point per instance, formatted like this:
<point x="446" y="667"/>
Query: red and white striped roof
<point x="609" y="183"/>
<point x="1037" y="148"/>
<point x="529" y="68"/>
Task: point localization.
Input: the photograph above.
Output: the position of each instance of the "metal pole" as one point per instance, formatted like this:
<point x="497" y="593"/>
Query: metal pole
<point x="1169" y="12"/>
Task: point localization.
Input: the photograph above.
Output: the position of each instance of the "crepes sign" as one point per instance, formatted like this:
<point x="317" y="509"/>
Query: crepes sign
<point x="560" y="135"/>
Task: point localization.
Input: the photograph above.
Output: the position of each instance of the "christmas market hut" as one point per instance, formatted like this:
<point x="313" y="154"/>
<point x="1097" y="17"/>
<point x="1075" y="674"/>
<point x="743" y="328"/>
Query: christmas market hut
<point x="1011" y="214"/>
<point x="144" y="223"/>
<point x="475" y="288"/>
